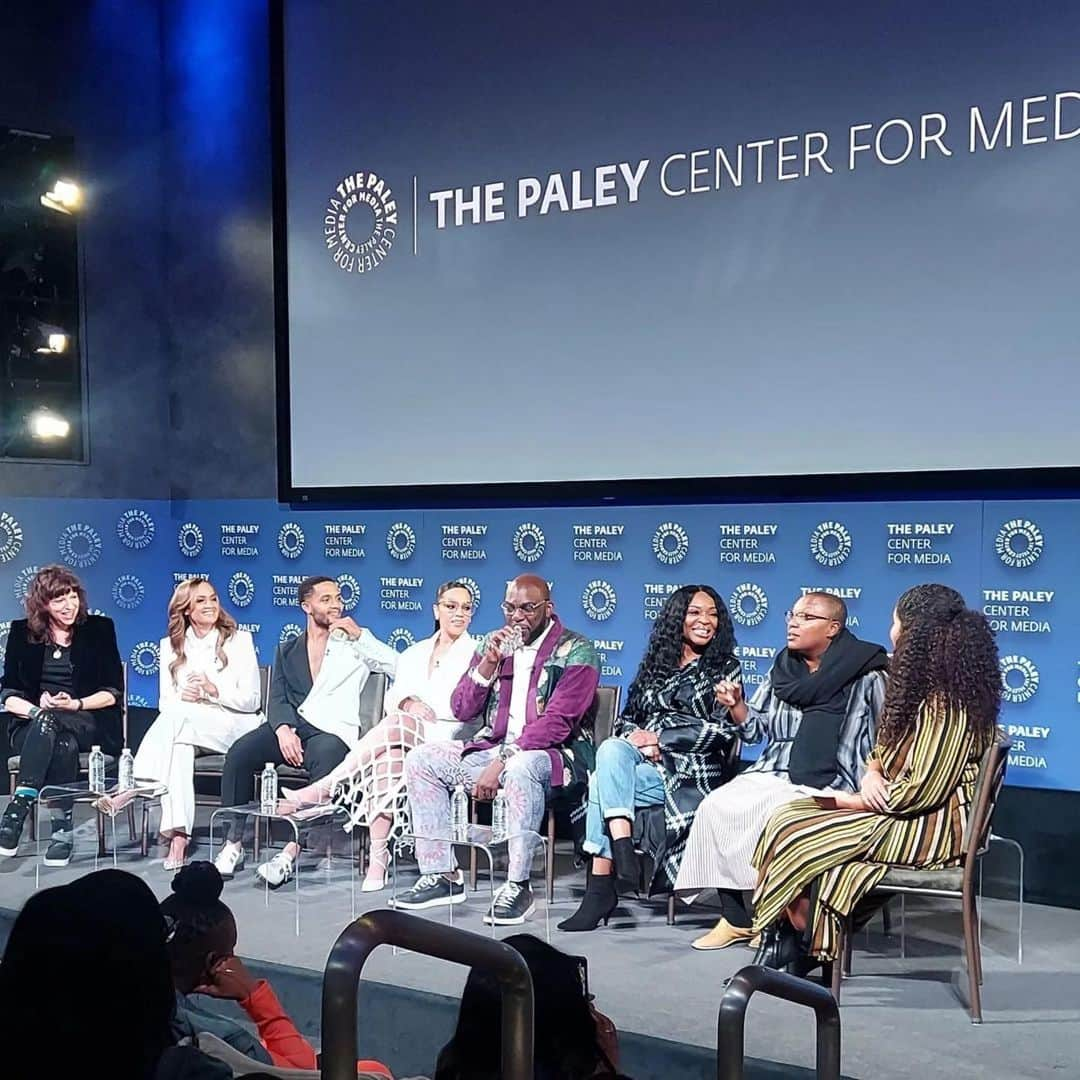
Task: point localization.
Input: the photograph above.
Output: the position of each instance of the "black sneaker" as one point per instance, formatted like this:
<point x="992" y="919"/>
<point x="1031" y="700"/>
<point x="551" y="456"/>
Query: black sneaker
<point x="58" y="852"/>
<point x="432" y="890"/>
<point x="11" y="824"/>
<point x="513" y="904"/>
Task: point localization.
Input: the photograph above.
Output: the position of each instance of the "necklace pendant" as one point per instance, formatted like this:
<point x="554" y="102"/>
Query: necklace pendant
<point x="57" y="653"/>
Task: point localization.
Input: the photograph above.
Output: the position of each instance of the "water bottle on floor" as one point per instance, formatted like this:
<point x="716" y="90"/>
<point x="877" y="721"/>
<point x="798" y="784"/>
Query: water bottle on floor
<point x="498" y="816"/>
<point x="459" y="814"/>
<point x="127" y="770"/>
<point x="268" y="789"/>
<point x="97" y="770"/>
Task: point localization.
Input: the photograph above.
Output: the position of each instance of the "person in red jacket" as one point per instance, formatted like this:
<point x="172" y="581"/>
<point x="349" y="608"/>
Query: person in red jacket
<point x="201" y="938"/>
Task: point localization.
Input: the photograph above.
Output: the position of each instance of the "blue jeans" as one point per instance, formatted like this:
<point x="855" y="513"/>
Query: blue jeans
<point x="623" y="781"/>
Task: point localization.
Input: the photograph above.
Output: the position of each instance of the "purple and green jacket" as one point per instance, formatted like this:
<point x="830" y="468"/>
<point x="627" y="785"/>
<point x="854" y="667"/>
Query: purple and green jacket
<point x="561" y="693"/>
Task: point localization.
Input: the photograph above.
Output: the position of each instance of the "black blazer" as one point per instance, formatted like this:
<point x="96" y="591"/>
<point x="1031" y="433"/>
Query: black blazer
<point x="290" y="682"/>
<point x="95" y="662"/>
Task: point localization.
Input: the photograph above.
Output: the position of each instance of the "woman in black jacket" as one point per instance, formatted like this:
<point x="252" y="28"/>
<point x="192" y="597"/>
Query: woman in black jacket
<point x="61" y="691"/>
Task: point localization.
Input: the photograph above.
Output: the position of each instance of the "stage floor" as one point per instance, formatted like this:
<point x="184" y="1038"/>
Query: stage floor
<point x="901" y="1017"/>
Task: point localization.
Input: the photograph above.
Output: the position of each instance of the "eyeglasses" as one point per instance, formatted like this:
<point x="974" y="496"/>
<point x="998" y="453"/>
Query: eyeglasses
<point x="453" y="605"/>
<point x="525" y="609"/>
<point x="805" y="617"/>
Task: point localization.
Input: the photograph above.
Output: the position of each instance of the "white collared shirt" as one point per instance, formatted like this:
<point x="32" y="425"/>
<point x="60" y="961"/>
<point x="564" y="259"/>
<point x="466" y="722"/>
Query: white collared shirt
<point x="524" y="662"/>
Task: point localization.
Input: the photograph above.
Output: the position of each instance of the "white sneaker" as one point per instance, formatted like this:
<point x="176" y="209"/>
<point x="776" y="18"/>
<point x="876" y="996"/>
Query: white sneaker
<point x="229" y="859"/>
<point x="278" y="870"/>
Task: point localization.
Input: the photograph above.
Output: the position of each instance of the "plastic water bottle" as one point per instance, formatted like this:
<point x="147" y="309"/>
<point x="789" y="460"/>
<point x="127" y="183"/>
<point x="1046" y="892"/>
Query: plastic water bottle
<point x="498" y="816"/>
<point x="459" y="814"/>
<point x="268" y="789"/>
<point x="127" y="770"/>
<point x="97" y="770"/>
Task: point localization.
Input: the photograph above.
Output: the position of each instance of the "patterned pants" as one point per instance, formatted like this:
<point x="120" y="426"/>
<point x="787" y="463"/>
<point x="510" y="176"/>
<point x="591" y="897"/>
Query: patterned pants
<point x="433" y="770"/>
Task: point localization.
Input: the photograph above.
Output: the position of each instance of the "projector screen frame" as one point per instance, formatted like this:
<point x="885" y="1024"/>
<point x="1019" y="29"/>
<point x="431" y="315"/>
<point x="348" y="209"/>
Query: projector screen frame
<point x="938" y="484"/>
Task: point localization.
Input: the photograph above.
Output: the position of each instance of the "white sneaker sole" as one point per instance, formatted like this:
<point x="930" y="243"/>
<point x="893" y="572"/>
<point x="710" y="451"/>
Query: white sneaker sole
<point x="517" y="920"/>
<point x="441" y="901"/>
<point x="57" y="862"/>
<point x="9" y="851"/>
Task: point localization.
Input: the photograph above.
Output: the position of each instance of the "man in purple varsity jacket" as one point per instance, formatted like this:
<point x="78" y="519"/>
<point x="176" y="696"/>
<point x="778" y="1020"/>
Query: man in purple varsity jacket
<point x="531" y="682"/>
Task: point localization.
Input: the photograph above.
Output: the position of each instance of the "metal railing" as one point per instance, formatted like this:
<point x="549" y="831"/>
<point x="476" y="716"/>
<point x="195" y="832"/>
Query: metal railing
<point x="731" y="1022"/>
<point x="360" y="939"/>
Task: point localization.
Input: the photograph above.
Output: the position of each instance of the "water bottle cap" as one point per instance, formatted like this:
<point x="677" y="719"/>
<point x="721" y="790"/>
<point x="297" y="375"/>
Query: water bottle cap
<point x="95" y="749"/>
<point x="269" y="765"/>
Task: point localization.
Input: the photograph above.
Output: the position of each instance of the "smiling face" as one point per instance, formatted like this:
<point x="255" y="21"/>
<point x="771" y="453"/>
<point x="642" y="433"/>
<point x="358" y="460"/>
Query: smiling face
<point x="324" y="605"/>
<point x="203" y="607"/>
<point x="812" y="626"/>
<point x="64" y="610"/>
<point x="454" y="612"/>
<point x="701" y="622"/>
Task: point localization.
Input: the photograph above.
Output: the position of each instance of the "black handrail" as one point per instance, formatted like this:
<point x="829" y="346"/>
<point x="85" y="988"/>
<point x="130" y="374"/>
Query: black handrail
<point x="360" y="939"/>
<point x="731" y="1021"/>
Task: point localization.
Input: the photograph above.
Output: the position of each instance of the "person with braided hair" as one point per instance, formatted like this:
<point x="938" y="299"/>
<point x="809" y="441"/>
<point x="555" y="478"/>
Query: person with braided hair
<point x="819" y="857"/>
<point x="201" y="940"/>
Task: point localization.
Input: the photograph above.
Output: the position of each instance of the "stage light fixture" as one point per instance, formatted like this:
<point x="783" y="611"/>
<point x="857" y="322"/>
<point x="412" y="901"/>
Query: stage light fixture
<point x="56" y="340"/>
<point x="65" y="197"/>
<point x="47" y="425"/>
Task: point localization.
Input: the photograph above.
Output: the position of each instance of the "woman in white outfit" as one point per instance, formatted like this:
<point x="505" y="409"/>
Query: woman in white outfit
<point x="208" y="698"/>
<point x="417" y="710"/>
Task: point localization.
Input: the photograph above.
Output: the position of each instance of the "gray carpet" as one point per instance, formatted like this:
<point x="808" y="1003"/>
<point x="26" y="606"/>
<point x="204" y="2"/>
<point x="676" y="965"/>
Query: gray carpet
<point x="901" y="1017"/>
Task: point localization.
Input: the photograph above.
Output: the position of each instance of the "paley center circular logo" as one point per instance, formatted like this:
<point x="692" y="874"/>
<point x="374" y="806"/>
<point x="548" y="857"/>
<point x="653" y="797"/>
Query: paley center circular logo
<point x="80" y="545"/>
<point x="5" y="629"/>
<point x="830" y="543"/>
<point x="360" y="223"/>
<point x="350" y="591"/>
<point x="11" y="537"/>
<point x="529" y="542"/>
<point x="1019" y="543"/>
<point x="145" y="657"/>
<point x="22" y="582"/>
<point x="241" y="589"/>
<point x="128" y="592"/>
<point x="401" y="540"/>
<point x="599" y="600"/>
<point x="291" y="540"/>
<point x="748" y="604"/>
<point x="670" y="543"/>
<point x="190" y="539"/>
<point x="289" y="631"/>
<point x="474" y="587"/>
<point x="399" y="638"/>
<point x="1019" y="679"/>
<point x="135" y="529"/>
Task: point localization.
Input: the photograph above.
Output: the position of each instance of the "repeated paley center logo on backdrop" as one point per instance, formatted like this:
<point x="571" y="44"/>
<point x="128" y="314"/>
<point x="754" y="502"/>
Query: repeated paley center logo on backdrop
<point x="401" y="541"/>
<point x="289" y="631"/>
<point x="291" y="540"/>
<point x="135" y="529"/>
<point x="670" y="543"/>
<point x="830" y="543"/>
<point x="241" y="589"/>
<point x="128" y="592"/>
<point x="529" y="542"/>
<point x="360" y="222"/>
<point x="189" y="537"/>
<point x="748" y="604"/>
<point x="1019" y="543"/>
<point x="22" y="582"/>
<point x="350" y="591"/>
<point x="145" y="658"/>
<point x="1019" y="679"/>
<point x="79" y="545"/>
<point x="400" y="639"/>
<point x="598" y="600"/>
<point x="474" y="587"/>
<point x="11" y="537"/>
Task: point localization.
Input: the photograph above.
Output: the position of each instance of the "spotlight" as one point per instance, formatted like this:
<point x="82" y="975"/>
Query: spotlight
<point x="56" y="340"/>
<point x="46" y="425"/>
<point x="65" y="197"/>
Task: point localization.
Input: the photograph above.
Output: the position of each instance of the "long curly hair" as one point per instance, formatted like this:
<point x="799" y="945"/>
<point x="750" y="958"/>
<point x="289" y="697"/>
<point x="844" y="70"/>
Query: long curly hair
<point x="664" y="650"/>
<point x="946" y="651"/>
<point x="49" y="583"/>
<point x="179" y="621"/>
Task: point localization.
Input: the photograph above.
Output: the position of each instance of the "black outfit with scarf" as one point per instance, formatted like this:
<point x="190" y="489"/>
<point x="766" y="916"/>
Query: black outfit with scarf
<point x="695" y="759"/>
<point x="822" y="697"/>
<point x="49" y="746"/>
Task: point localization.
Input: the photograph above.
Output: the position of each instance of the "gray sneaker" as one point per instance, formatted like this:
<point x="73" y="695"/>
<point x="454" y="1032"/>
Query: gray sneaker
<point x="432" y="890"/>
<point x="513" y="904"/>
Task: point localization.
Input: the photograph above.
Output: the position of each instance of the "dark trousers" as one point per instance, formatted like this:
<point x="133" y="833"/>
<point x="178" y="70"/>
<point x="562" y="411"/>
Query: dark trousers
<point x="247" y="756"/>
<point x="737" y="907"/>
<point x="49" y="749"/>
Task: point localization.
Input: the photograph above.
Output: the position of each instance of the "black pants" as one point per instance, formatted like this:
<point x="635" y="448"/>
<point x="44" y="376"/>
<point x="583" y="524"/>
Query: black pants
<point x="49" y="747"/>
<point x="247" y="756"/>
<point x="738" y="907"/>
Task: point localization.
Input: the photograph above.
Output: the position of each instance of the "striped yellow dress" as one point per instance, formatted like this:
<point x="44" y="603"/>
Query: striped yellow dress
<point x="931" y="778"/>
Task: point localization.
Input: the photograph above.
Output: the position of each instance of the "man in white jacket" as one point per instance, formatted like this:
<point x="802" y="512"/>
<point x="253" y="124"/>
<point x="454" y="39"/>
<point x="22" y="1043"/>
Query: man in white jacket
<point x="312" y="712"/>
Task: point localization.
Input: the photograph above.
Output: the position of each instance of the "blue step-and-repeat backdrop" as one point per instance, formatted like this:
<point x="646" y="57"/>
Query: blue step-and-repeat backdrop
<point x="610" y="571"/>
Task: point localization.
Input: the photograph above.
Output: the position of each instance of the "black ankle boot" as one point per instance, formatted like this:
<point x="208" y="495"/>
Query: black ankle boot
<point x="627" y="865"/>
<point x="599" y="901"/>
<point x="780" y="946"/>
<point x="11" y="824"/>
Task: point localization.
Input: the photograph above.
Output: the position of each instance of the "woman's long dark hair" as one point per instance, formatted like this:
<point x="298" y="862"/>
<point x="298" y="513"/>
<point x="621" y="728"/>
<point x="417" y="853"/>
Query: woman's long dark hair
<point x="49" y="583"/>
<point x="946" y="651"/>
<point x="565" y="1030"/>
<point x="664" y="650"/>
<point x="103" y="937"/>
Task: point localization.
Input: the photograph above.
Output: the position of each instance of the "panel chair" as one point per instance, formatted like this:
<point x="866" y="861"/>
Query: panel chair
<point x="957" y="883"/>
<point x="605" y="709"/>
<point x="209" y="765"/>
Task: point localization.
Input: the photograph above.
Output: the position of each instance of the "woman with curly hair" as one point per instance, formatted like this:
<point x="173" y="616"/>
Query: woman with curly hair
<point x="819" y="857"/>
<point x="669" y="748"/>
<point x="61" y="691"/>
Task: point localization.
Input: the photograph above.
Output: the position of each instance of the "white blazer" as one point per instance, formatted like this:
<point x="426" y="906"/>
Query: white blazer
<point x="436" y="689"/>
<point x="237" y="682"/>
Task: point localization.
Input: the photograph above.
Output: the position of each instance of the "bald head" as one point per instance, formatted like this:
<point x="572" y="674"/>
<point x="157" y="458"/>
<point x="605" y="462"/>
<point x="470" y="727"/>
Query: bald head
<point x="530" y="581"/>
<point x="528" y="605"/>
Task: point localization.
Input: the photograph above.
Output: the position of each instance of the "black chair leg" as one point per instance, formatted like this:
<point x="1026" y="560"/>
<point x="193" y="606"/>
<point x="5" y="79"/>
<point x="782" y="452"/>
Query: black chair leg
<point x="549" y="869"/>
<point x="671" y="909"/>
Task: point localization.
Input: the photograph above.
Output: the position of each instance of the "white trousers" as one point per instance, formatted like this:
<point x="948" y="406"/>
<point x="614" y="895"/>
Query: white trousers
<point x="167" y="753"/>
